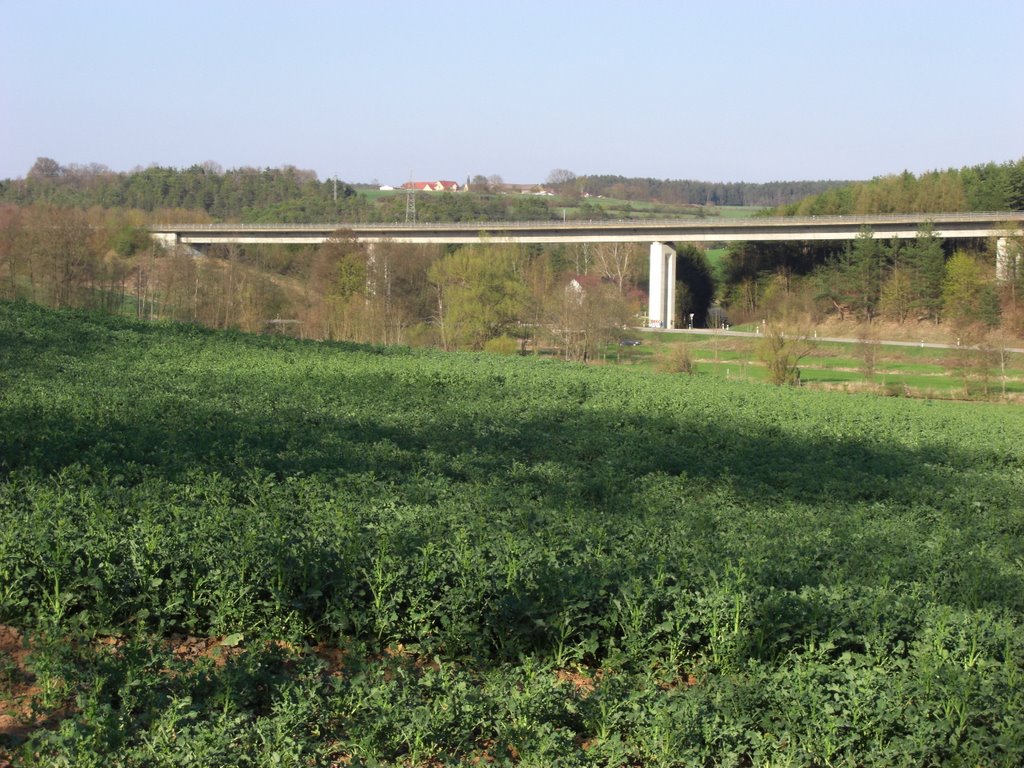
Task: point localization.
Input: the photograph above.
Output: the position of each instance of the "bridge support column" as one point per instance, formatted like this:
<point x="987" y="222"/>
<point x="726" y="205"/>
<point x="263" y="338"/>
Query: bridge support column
<point x="662" y="289"/>
<point x="167" y="240"/>
<point x="1007" y="260"/>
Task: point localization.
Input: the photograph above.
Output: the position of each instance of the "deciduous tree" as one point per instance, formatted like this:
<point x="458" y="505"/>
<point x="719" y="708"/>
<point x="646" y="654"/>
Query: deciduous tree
<point x="10" y="229"/>
<point x="44" y="168"/>
<point x="584" y="314"/>
<point x="968" y="293"/>
<point x="559" y="176"/>
<point x="478" y="296"/>
<point x="617" y="262"/>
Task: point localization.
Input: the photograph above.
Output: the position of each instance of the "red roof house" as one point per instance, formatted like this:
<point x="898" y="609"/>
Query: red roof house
<point x="432" y="186"/>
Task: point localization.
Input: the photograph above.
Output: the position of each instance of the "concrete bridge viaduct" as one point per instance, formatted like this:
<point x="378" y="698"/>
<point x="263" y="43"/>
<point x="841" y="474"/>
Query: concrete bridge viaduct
<point x="1001" y="226"/>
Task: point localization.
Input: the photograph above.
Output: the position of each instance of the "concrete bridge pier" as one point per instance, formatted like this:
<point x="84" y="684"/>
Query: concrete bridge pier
<point x="169" y="241"/>
<point x="662" y="289"/>
<point x="166" y="239"/>
<point x="1007" y="263"/>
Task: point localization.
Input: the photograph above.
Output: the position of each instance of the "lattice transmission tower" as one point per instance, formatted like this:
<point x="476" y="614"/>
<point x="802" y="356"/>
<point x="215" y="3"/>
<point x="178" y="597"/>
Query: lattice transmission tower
<point x="410" y="202"/>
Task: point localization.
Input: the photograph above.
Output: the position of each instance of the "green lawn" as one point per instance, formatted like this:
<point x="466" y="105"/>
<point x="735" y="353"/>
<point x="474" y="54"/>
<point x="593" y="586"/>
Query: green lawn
<point x="924" y="372"/>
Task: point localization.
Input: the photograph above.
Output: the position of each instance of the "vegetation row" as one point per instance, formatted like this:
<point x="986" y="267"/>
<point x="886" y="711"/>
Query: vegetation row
<point x="289" y="194"/>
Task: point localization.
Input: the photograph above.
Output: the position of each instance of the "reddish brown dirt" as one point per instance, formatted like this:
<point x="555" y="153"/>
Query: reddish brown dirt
<point x="190" y="648"/>
<point x="333" y="657"/>
<point x="18" y="692"/>
<point x="583" y="684"/>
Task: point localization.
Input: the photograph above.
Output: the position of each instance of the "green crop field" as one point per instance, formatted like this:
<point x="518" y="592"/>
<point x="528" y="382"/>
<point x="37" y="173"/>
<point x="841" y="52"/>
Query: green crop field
<point x="234" y="550"/>
<point x="738" y="211"/>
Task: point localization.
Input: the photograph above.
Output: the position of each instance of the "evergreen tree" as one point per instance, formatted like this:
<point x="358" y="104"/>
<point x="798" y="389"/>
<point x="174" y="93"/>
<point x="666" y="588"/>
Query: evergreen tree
<point x="1014" y="185"/>
<point x="925" y="264"/>
<point x="853" y="281"/>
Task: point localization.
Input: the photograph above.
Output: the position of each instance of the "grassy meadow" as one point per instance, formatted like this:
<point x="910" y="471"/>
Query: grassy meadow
<point x="927" y="372"/>
<point x="235" y="550"/>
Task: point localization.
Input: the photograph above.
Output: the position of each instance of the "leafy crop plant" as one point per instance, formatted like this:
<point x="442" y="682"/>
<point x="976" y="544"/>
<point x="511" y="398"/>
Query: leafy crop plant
<point x="223" y="549"/>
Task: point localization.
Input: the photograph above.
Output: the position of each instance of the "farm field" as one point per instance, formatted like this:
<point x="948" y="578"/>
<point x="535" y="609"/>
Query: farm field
<point x="626" y="209"/>
<point x="235" y="550"/>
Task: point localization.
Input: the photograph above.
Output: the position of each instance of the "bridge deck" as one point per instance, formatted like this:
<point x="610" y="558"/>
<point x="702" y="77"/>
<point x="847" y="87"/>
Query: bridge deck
<point x="944" y="225"/>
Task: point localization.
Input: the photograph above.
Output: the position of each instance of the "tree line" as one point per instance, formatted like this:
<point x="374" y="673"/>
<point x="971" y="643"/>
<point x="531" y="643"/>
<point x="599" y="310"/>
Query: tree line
<point x="66" y="254"/>
<point x="292" y="195"/>
<point x="287" y="194"/>
<point x="253" y="195"/>
<point x="689" y="192"/>
<point x="207" y="189"/>
<point x="900" y="281"/>
<point x="869" y="279"/>
<point x="575" y="299"/>
<point x="987" y="187"/>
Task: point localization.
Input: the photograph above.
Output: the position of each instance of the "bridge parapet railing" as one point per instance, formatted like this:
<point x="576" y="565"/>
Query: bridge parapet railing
<point x="690" y="222"/>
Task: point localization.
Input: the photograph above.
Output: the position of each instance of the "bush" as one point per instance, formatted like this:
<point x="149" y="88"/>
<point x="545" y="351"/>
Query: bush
<point x="782" y="353"/>
<point x="678" y="360"/>
<point x="503" y="345"/>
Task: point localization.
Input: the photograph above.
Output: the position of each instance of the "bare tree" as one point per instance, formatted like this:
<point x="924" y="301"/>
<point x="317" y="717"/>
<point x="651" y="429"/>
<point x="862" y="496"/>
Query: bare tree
<point x="44" y="168"/>
<point x="584" y="314"/>
<point x="560" y="176"/>
<point x="58" y="244"/>
<point x="10" y="229"/>
<point x="782" y="350"/>
<point x="617" y="262"/>
<point x="868" y="345"/>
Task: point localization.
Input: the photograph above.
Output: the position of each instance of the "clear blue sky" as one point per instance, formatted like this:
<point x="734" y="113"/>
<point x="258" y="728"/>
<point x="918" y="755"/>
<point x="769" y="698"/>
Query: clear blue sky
<point x="744" y="90"/>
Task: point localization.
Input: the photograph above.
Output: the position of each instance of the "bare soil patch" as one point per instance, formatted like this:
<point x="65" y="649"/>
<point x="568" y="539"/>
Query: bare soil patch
<point x="19" y="694"/>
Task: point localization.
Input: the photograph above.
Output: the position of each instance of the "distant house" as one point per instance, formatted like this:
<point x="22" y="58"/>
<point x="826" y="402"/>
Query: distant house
<point x="432" y="186"/>
<point x="580" y="284"/>
<point x="522" y="189"/>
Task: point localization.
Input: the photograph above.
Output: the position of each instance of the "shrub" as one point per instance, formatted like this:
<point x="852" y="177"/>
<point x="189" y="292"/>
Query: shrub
<point x="678" y="360"/>
<point x="503" y="345"/>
